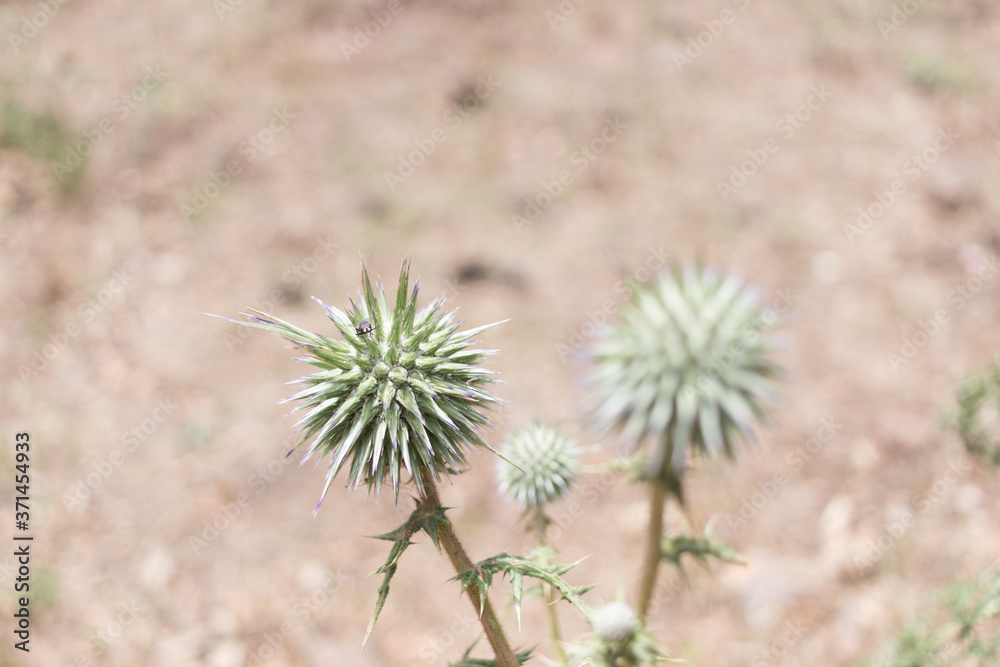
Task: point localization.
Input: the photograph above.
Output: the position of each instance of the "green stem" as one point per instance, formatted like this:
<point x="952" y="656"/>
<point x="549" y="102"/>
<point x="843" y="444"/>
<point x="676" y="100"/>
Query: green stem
<point x="430" y="501"/>
<point x="541" y="522"/>
<point x="654" y="538"/>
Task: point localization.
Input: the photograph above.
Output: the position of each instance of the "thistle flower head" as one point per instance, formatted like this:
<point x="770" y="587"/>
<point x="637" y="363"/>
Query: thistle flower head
<point x="619" y="638"/>
<point x="685" y="368"/>
<point x="400" y="390"/>
<point x="615" y="622"/>
<point x="540" y="465"/>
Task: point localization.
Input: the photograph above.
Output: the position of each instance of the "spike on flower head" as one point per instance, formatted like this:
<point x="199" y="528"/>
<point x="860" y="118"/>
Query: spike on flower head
<point x="399" y="391"/>
<point x="685" y="369"/>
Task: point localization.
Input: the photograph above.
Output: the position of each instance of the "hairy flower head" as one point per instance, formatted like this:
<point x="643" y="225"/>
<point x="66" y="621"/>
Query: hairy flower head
<point x="399" y="390"/>
<point x="615" y="621"/>
<point x="619" y="638"/>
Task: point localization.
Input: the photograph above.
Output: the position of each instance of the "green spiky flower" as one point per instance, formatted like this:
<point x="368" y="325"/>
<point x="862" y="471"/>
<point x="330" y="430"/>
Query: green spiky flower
<point x="538" y="466"/>
<point x="400" y="391"/>
<point x="685" y="368"/>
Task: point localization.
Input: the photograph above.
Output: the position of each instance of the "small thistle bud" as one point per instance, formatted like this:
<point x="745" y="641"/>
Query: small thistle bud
<point x="539" y="468"/>
<point x="685" y="368"/>
<point x="619" y="638"/>
<point x="401" y="391"/>
<point x="615" y="622"/>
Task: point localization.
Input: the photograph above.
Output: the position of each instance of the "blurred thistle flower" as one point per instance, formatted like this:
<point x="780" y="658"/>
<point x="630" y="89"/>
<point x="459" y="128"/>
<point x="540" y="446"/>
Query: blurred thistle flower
<point x="686" y="368"/>
<point x="615" y="621"/>
<point x="401" y="390"/>
<point x="538" y="465"/>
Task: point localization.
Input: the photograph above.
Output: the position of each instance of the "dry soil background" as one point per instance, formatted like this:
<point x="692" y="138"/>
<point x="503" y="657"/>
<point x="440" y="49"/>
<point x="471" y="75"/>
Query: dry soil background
<point x="524" y="155"/>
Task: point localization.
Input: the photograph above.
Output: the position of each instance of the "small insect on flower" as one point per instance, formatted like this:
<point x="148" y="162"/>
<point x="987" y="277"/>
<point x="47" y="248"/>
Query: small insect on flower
<point x="364" y="327"/>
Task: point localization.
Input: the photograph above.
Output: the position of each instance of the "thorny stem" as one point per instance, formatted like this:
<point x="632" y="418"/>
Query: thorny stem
<point x="429" y="502"/>
<point x="541" y="522"/>
<point x="654" y="538"/>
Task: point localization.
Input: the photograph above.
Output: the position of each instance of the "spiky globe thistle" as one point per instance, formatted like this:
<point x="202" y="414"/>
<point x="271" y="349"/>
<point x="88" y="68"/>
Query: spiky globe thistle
<point x="540" y="465"/>
<point x="400" y="391"/>
<point x="685" y="369"/>
<point x="615" y="621"/>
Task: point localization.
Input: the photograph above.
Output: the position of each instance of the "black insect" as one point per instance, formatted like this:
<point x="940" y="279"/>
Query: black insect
<point x="364" y="327"/>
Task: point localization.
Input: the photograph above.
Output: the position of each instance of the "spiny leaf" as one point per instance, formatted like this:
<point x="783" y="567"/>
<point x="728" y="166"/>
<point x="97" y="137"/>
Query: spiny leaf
<point x="517" y="587"/>
<point x="383" y="593"/>
<point x="466" y="661"/>
<point x="699" y="547"/>
<point x="400" y="537"/>
<point x="431" y="522"/>
<point x="518" y="567"/>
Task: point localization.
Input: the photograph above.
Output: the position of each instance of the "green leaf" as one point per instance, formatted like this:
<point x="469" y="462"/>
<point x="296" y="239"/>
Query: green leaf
<point x="432" y="521"/>
<point x="700" y="547"/>
<point x="383" y="593"/>
<point x="466" y="661"/>
<point x="400" y="537"/>
<point x="517" y="587"/>
<point x="518" y="567"/>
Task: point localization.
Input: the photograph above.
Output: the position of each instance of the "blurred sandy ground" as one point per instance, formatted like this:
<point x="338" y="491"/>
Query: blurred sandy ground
<point x="250" y="154"/>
